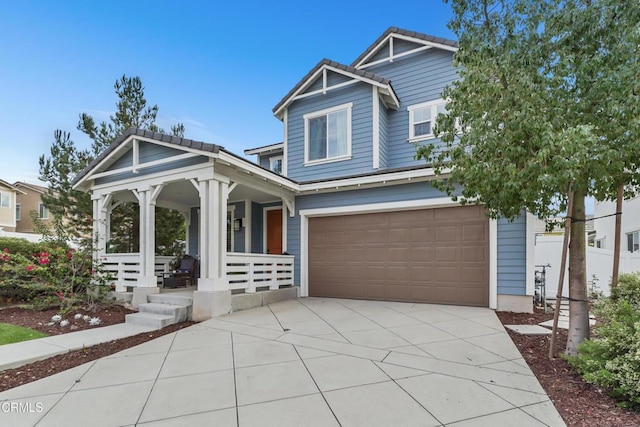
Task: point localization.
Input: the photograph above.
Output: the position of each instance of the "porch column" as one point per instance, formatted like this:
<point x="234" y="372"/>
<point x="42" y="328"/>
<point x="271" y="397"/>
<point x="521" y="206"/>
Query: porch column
<point x="213" y="247"/>
<point x="213" y="297"/>
<point x="100" y="223"/>
<point x="147" y="276"/>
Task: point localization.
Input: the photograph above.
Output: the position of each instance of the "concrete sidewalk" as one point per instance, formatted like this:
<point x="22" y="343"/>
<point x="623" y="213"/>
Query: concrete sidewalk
<point x="306" y="362"/>
<point x="22" y="353"/>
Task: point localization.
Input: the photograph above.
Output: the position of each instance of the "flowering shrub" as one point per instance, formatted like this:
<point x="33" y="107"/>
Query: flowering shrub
<point x="612" y="358"/>
<point x="52" y="275"/>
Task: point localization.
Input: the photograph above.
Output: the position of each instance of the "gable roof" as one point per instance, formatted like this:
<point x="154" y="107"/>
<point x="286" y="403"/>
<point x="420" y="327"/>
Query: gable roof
<point x="169" y="139"/>
<point x="422" y="38"/>
<point x="11" y="187"/>
<point x="347" y="70"/>
<point x="278" y="146"/>
<point x="37" y="188"/>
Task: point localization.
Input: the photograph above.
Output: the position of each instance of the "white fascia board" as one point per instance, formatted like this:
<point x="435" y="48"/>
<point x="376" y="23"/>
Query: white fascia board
<point x="256" y="170"/>
<point x="377" y="48"/>
<point x="200" y="171"/>
<point x="315" y="75"/>
<point x="126" y="143"/>
<point x="265" y="149"/>
<point x="417" y="174"/>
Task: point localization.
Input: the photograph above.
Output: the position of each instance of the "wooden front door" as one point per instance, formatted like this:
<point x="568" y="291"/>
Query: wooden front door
<point x="274" y="231"/>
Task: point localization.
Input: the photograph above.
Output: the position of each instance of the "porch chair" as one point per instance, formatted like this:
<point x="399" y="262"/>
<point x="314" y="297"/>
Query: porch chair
<point x="182" y="276"/>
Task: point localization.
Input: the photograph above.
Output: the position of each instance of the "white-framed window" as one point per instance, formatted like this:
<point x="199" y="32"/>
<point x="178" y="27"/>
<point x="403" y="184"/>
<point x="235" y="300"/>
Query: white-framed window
<point x="275" y="164"/>
<point x="43" y="212"/>
<point x="327" y="134"/>
<point x="600" y="243"/>
<point x="230" y="230"/>
<point x="422" y="118"/>
<point x="633" y="241"/>
<point x="5" y="200"/>
<point x="18" y="212"/>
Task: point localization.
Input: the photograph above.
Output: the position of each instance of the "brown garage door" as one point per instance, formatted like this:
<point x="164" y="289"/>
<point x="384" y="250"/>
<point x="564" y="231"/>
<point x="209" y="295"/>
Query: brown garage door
<point x="428" y="255"/>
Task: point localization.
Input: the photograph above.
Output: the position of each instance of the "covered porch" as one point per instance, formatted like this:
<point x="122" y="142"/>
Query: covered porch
<point x="235" y="214"/>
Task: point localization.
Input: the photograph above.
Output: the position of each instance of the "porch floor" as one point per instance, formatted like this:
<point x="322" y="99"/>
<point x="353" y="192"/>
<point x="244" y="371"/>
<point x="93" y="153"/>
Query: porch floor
<point x="309" y="361"/>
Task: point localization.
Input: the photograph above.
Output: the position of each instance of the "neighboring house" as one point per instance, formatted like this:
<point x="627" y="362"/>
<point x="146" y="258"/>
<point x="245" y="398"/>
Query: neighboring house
<point x="605" y="225"/>
<point x="339" y="208"/>
<point x="30" y="200"/>
<point x="8" y="195"/>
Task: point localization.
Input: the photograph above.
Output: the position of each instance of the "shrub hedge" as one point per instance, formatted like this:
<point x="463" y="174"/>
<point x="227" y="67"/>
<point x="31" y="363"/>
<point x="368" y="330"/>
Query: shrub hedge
<point x="611" y="359"/>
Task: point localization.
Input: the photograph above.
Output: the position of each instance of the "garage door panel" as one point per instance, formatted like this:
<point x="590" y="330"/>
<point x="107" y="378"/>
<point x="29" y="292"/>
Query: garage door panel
<point x="473" y="233"/>
<point x="447" y="233"/>
<point x="423" y="253"/>
<point x="377" y="236"/>
<point x="447" y="253"/>
<point x="399" y="235"/>
<point x="399" y="254"/>
<point x="473" y="254"/>
<point x="428" y="255"/>
<point x="423" y="234"/>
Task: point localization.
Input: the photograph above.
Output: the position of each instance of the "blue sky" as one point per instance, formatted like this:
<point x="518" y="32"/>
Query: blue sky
<point x="217" y="67"/>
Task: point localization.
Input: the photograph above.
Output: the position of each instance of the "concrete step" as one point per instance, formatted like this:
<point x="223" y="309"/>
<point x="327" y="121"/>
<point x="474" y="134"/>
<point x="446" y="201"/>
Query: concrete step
<point x="179" y="312"/>
<point x="185" y="300"/>
<point x="153" y="320"/>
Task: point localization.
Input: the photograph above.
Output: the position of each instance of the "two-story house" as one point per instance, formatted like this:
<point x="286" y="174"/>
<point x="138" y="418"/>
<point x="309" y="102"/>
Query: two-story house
<point x="8" y="209"/>
<point x="340" y="208"/>
<point x="28" y="201"/>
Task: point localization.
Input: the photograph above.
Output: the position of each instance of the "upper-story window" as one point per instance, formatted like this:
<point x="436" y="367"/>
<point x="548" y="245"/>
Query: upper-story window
<point x="5" y="200"/>
<point x="633" y="241"/>
<point x="43" y="212"/>
<point x="327" y="134"/>
<point x="275" y="164"/>
<point x="422" y="119"/>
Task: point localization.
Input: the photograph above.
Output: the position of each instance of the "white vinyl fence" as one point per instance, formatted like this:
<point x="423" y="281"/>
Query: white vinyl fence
<point x="599" y="264"/>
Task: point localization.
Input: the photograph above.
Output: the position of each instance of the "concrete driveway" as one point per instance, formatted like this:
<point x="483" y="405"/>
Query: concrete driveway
<point x="305" y="362"/>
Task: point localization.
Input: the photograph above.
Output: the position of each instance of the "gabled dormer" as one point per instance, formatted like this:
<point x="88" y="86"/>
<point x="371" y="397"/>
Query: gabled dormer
<point x="343" y="120"/>
<point x="269" y="157"/>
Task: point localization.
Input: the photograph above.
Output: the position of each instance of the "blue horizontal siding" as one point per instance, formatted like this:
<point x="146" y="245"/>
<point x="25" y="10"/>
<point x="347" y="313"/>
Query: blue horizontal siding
<point x="361" y="133"/>
<point x="512" y="256"/>
<point x="416" y="78"/>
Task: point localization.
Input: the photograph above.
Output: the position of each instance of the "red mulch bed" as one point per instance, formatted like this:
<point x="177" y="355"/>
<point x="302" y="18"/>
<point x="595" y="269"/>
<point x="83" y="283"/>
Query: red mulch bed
<point x="38" y="320"/>
<point x="579" y="403"/>
<point x="108" y="314"/>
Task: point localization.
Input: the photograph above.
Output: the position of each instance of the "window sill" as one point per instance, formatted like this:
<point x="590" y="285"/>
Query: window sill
<point x="421" y="138"/>
<point x="330" y="160"/>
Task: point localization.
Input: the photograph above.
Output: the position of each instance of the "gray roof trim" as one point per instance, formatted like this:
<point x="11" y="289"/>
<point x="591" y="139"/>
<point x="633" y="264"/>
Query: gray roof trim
<point x="400" y="31"/>
<point x="327" y="62"/>
<point x="264" y="148"/>
<point x="133" y="132"/>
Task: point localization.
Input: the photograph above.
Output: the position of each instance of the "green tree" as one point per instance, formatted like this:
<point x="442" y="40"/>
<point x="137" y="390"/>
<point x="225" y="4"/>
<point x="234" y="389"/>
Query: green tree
<point x="547" y="100"/>
<point x="66" y="161"/>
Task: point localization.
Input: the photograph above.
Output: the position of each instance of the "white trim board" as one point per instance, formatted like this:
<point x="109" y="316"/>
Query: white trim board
<point x="440" y="202"/>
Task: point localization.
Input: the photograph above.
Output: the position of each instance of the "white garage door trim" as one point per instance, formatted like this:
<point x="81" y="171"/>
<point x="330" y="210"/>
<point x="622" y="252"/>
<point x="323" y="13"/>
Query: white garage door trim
<point x="442" y="202"/>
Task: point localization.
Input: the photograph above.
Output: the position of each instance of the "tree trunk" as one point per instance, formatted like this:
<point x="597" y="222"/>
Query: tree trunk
<point x="578" y="306"/>
<point x="618" y="237"/>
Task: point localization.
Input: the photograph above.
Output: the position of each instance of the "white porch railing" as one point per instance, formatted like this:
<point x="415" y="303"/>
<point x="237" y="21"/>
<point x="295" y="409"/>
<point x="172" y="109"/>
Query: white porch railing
<point x="244" y="271"/>
<point x="251" y="271"/>
<point x="125" y="268"/>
